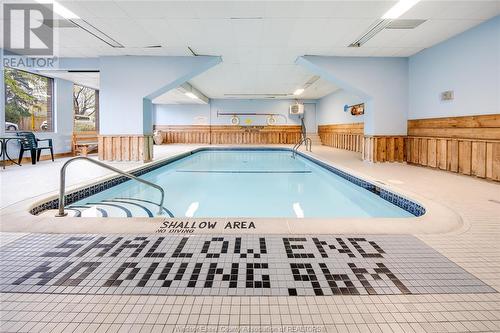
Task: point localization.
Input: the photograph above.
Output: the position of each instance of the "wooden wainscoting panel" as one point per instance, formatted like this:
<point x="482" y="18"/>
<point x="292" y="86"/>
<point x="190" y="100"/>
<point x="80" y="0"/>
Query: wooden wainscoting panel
<point x="432" y="153"/>
<point x="495" y="161"/>
<point x="464" y="157"/>
<point x="452" y="155"/>
<point x="422" y="156"/>
<point x="223" y="134"/>
<point x="479" y="159"/>
<point x="384" y="149"/>
<point x="483" y="127"/>
<point x="466" y="145"/>
<point x="342" y="136"/>
<point x="125" y="147"/>
<point x="442" y="148"/>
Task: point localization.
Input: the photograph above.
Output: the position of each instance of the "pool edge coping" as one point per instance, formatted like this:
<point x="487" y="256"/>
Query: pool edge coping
<point x="444" y="219"/>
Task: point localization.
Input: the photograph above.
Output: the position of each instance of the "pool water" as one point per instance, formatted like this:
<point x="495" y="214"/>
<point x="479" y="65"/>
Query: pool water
<point x="242" y="183"/>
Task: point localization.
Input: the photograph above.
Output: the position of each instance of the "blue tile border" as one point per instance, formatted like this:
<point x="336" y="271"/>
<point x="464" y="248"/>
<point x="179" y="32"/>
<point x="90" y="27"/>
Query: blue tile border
<point x="398" y="200"/>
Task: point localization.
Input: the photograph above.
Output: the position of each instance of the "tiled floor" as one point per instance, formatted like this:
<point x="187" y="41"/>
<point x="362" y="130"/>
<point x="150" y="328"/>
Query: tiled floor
<point x="465" y="259"/>
<point x="256" y="265"/>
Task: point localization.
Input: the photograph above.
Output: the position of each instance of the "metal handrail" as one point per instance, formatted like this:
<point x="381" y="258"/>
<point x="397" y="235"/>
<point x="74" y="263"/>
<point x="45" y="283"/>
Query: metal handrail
<point x="298" y="144"/>
<point x="62" y="182"/>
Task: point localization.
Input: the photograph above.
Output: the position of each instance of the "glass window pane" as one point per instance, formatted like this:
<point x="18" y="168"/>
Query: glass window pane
<point x="85" y="106"/>
<point x="28" y="101"/>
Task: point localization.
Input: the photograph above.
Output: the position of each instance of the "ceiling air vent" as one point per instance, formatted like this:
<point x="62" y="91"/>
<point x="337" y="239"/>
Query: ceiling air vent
<point x="404" y="24"/>
<point x="382" y="24"/>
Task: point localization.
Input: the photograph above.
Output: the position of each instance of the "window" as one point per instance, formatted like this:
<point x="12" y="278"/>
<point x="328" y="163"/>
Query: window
<point x="28" y="101"/>
<point x="86" y="108"/>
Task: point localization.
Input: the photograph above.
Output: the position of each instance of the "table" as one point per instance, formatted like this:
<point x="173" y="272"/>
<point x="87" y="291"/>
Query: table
<point x="3" y="147"/>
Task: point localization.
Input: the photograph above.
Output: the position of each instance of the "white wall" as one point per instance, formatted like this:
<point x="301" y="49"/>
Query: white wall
<point x="381" y="82"/>
<point x="207" y="114"/>
<point x="330" y="109"/>
<point x="468" y="64"/>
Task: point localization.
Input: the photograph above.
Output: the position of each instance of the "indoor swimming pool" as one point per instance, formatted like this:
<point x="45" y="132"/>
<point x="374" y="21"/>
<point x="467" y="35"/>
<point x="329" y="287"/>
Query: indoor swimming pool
<point x="246" y="183"/>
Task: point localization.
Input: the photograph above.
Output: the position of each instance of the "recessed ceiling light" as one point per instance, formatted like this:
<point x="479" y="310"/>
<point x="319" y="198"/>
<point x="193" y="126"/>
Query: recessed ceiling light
<point x="401" y="7"/>
<point x="190" y="95"/>
<point x="76" y="20"/>
<point x="298" y="91"/>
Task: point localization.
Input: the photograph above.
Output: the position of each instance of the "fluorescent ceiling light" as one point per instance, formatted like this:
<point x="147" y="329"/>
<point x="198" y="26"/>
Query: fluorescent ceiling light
<point x="298" y="91"/>
<point x="399" y="9"/>
<point x="76" y="20"/>
<point x="60" y="9"/>
<point x="191" y="95"/>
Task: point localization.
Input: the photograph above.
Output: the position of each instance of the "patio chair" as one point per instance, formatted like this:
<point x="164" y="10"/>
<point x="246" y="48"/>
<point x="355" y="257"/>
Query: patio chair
<point x="30" y="142"/>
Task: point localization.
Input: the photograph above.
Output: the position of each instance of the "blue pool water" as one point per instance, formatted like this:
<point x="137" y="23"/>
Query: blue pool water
<point x="244" y="183"/>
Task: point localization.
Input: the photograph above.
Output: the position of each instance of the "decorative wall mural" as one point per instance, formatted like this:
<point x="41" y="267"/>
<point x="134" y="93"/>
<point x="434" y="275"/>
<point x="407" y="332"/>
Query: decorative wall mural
<point x="356" y="110"/>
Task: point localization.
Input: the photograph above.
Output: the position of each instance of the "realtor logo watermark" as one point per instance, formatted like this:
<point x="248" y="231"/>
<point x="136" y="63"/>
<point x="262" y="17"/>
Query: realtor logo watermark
<point x="28" y="35"/>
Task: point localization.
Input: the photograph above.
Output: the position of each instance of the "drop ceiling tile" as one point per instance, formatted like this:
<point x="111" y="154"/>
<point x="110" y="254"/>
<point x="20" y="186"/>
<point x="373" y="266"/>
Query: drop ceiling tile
<point x="213" y="9"/>
<point x="248" y="32"/>
<point x="245" y="9"/>
<point x="159" y="9"/>
<point x="162" y="31"/>
<point x="284" y="9"/>
<point x="101" y="9"/>
<point x="260" y="54"/>
<point x="277" y="32"/>
<point x="479" y="10"/>
<point x="387" y="38"/>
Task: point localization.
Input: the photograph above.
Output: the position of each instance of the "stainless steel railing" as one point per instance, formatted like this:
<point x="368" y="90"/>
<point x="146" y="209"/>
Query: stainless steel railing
<point x="62" y="182"/>
<point x="298" y="144"/>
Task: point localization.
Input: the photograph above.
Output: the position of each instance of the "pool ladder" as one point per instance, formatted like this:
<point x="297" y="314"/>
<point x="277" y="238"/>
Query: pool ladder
<point x="306" y="141"/>
<point x="62" y="182"/>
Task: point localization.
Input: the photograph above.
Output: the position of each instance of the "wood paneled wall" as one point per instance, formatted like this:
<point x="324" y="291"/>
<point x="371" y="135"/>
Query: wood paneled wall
<point x="485" y="127"/>
<point x="126" y="147"/>
<point x="342" y="136"/>
<point x="230" y="134"/>
<point x="384" y="148"/>
<point x="479" y="158"/>
<point x="467" y="145"/>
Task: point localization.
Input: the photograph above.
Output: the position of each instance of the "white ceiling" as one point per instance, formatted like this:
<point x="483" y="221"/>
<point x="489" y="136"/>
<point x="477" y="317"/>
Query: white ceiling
<point x="175" y="96"/>
<point x="259" y="41"/>
<point x="90" y="80"/>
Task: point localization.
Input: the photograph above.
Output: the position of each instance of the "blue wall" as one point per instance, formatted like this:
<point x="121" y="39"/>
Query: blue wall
<point x="129" y="83"/>
<point x="469" y="64"/>
<point x="181" y="114"/>
<point x="207" y="114"/>
<point x="381" y="82"/>
<point x="330" y="109"/>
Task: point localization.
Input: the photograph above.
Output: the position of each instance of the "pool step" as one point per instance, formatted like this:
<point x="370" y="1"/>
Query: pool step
<point x="315" y="138"/>
<point x="118" y="207"/>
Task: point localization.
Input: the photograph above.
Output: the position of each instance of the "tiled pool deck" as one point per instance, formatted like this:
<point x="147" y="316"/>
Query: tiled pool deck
<point x="209" y="283"/>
